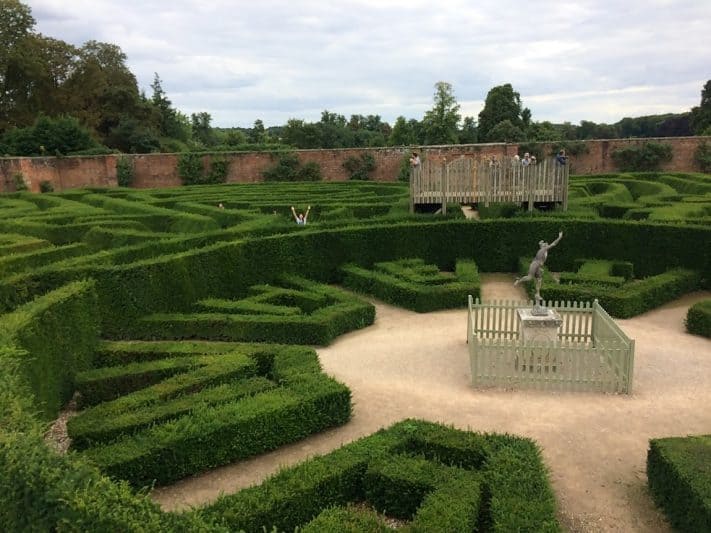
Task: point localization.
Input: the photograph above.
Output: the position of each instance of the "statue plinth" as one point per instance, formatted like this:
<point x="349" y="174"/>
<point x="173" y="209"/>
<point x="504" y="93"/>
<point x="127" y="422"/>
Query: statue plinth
<point x="537" y="326"/>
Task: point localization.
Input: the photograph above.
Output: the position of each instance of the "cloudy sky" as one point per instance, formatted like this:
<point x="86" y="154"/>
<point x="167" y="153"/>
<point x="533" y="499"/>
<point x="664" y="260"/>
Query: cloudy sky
<point x="271" y="59"/>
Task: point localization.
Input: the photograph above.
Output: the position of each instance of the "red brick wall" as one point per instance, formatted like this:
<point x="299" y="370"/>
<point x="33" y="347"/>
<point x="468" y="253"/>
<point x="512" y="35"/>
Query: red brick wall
<point x="160" y="170"/>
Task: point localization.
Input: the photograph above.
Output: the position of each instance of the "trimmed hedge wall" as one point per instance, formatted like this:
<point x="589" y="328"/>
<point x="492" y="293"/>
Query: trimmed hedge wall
<point x="172" y="283"/>
<point x="462" y="482"/>
<point x="58" y="333"/>
<point x="624" y="301"/>
<point x="303" y="313"/>
<point x="164" y="419"/>
<point x="679" y="477"/>
<point x="412" y="284"/>
<point x="698" y="318"/>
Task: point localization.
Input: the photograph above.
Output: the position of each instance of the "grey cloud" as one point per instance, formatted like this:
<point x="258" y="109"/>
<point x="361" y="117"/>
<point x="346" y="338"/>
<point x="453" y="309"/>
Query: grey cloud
<point x="274" y="59"/>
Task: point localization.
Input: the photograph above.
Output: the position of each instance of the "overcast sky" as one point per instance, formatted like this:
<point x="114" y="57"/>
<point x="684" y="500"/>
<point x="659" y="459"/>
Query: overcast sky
<point x="275" y="60"/>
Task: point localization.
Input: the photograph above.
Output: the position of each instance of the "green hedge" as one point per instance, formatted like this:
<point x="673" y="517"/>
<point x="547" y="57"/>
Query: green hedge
<point x="170" y="418"/>
<point x="411" y="470"/>
<point x="311" y="313"/>
<point x="173" y="282"/>
<point x="412" y="284"/>
<point x="698" y="318"/>
<point x="58" y="332"/>
<point x="625" y="301"/>
<point x="679" y="477"/>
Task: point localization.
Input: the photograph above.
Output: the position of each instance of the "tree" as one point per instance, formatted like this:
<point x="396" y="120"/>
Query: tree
<point x="502" y="104"/>
<point x="51" y="136"/>
<point x="701" y="114"/>
<point x="468" y="134"/>
<point x="543" y="131"/>
<point x="201" y="128"/>
<point x="440" y="124"/>
<point x="170" y="122"/>
<point x="258" y="134"/>
<point x="506" y="131"/>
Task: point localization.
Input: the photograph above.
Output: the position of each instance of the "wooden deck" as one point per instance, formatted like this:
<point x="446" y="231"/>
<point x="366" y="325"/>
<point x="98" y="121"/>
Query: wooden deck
<point x="466" y="180"/>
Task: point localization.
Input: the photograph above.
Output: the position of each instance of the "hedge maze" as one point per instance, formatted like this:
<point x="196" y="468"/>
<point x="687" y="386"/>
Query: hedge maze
<point x="433" y="477"/>
<point x="183" y="330"/>
<point x="163" y="411"/>
<point x="296" y="311"/>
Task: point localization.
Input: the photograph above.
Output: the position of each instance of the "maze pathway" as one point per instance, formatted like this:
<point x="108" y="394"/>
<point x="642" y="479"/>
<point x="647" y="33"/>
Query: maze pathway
<point x="415" y="365"/>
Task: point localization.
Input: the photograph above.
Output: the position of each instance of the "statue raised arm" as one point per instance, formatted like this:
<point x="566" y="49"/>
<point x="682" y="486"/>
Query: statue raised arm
<point x="535" y="271"/>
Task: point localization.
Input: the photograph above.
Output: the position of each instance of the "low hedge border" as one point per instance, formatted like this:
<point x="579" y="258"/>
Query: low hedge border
<point x="625" y="301"/>
<point x="163" y="442"/>
<point x="698" y="318"/>
<point x="437" y="493"/>
<point x="311" y="313"/>
<point x="679" y="478"/>
<point x="412" y="284"/>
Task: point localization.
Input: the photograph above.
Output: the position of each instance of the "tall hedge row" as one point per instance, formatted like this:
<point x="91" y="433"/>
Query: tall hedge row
<point x="58" y="334"/>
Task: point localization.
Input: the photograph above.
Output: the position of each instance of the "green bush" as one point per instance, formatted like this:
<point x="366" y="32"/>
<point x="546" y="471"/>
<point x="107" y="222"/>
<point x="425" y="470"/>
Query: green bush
<point x="46" y="186"/>
<point x="192" y="171"/>
<point x="289" y="168"/>
<point x="648" y="156"/>
<point x="698" y="318"/>
<point x="702" y="156"/>
<point x="679" y="478"/>
<point x="125" y="171"/>
<point x="361" y="167"/>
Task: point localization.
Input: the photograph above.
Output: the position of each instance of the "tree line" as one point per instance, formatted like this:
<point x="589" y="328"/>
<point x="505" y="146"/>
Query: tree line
<point x="58" y="99"/>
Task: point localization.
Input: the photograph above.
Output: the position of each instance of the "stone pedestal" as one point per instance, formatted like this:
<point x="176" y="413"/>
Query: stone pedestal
<point x="538" y="327"/>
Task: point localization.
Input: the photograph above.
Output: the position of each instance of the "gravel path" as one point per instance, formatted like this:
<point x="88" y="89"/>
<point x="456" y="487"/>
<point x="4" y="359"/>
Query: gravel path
<point x="416" y="365"/>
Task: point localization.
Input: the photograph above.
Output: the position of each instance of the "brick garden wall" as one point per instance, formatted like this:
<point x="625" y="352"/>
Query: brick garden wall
<point x="160" y="170"/>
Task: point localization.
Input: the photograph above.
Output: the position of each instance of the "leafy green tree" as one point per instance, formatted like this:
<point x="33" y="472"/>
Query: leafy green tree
<point x="170" y="122"/>
<point x="502" y="104"/>
<point x="701" y="114"/>
<point x="404" y="132"/>
<point x="468" y="133"/>
<point x="506" y="131"/>
<point x="201" y="128"/>
<point x="49" y="136"/>
<point x="440" y="124"/>
<point x="543" y="131"/>
<point x="258" y="134"/>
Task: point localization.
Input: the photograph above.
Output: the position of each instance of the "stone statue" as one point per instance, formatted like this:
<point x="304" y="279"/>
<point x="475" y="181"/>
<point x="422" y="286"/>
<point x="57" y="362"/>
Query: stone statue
<point x="536" y="271"/>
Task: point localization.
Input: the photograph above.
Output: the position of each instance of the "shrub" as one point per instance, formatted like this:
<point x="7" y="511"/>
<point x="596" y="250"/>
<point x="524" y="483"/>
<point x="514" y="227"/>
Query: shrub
<point x="361" y="167"/>
<point x="648" y="156"/>
<point x="702" y="156"/>
<point x="19" y="179"/>
<point x="289" y="168"/>
<point x="679" y="478"/>
<point x="125" y="171"/>
<point x="698" y="318"/>
<point x="46" y="186"/>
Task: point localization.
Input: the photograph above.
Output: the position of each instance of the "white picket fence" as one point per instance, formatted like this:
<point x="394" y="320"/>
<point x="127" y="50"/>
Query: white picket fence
<point x="591" y="354"/>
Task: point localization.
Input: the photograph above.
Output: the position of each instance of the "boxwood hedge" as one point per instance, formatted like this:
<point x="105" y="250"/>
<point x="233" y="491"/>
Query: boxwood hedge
<point x="679" y="477"/>
<point x="698" y="318"/>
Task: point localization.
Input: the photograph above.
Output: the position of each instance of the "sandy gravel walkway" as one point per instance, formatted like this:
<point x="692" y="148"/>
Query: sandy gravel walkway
<point x="412" y="365"/>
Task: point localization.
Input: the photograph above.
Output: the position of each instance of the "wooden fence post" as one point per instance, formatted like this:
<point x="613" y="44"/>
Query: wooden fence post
<point x="444" y="182"/>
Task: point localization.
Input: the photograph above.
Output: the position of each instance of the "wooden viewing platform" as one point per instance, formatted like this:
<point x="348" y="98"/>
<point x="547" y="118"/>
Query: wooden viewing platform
<point x="468" y="181"/>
